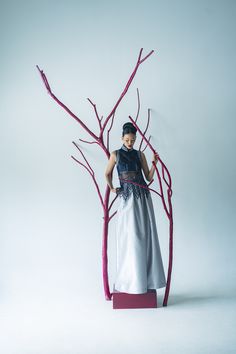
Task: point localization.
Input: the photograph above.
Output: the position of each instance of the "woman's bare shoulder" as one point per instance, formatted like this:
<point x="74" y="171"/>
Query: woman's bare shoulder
<point x="113" y="154"/>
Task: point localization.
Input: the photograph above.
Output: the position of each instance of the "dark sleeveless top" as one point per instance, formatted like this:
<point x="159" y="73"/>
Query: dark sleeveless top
<point x="128" y="164"/>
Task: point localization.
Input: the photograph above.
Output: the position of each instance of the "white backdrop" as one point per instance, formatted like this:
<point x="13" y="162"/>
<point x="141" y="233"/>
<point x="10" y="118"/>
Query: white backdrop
<point x="51" y="297"/>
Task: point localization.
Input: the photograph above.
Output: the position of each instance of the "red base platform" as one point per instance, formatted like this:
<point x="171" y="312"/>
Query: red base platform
<point x="131" y="301"/>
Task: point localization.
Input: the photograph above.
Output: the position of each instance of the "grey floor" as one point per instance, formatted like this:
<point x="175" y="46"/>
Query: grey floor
<point x="193" y="322"/>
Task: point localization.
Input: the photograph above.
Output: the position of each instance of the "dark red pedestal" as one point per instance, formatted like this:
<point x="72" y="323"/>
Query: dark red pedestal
<point x="131" y="301"/>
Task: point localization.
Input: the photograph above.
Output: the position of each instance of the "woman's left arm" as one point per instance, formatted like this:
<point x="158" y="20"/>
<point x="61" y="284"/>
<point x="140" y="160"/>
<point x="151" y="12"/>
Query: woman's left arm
<point x="148" y="173"/>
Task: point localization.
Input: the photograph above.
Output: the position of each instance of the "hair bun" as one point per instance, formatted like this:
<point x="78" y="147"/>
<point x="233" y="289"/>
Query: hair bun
<point x="129" y="128"/>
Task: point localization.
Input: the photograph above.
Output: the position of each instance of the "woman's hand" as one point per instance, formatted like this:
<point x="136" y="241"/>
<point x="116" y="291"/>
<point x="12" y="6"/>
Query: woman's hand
<point x="155" y="157"/>
<point x="115" y="190"/>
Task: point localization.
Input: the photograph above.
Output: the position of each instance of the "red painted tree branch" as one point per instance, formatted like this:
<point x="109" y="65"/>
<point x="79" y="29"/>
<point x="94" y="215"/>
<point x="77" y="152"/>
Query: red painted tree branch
<point x="90" y="170"/>
<point x="44" y="78"/>
<point x="99" y="139"/>
<point x="139" y="61"/>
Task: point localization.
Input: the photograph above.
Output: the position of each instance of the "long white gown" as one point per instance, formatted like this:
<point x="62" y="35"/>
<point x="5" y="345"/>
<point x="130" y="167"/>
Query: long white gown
<point x="139" y="265"/>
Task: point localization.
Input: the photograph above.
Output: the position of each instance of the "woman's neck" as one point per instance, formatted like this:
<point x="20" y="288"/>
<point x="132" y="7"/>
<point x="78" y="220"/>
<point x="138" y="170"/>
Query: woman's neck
<point x="125" y="148"/>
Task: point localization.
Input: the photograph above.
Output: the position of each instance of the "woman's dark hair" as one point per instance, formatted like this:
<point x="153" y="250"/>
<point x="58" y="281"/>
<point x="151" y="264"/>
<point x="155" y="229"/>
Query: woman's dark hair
<point x="129" y="128"/>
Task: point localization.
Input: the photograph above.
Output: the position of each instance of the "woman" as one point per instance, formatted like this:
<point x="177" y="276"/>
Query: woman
<point x="139" y="263"/>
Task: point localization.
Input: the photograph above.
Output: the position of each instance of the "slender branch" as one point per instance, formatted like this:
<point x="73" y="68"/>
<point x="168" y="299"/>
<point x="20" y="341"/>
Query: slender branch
<point x="161" y="189"/>
<point x="82" y="165"/>
<point x="138" y="110"/>
<point x="112" y="215"/>
<point x="96" y="113"/>
<point x="163" y="175"/>
<point x="88" y="142"/>
<point x="140" y="185"/>
<point x="44" y="78"/>
<point x="139" y="61"/>
<point x="91" y="171"/>
<point x="147" y="125"/>
<point x="147" y="144"/>
<point x="158" y="175"/>
<point x="151" y="182"/>
<point x="108" y="132"/>
<point x="164" y="168"/>
<point x="112" y="202"/>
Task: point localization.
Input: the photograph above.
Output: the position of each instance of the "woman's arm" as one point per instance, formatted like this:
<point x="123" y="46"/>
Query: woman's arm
<point x="148" y="173"/>
<point x="109" y="169"/>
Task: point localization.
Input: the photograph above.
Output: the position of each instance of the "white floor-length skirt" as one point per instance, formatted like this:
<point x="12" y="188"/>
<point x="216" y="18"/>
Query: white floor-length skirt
<point x="139" y="265"/>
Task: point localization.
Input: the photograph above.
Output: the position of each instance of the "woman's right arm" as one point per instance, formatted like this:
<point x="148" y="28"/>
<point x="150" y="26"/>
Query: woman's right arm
<point x="109" y="169"/>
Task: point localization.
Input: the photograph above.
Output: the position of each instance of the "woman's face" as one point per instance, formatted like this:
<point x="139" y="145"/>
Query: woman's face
<point x="129" y="140"/>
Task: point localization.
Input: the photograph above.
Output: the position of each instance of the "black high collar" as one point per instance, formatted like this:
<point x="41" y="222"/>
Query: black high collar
<point x="126" y="149"/>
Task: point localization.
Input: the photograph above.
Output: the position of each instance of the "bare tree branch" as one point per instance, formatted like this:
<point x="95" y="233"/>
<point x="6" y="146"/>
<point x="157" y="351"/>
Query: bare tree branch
<point x="91" y="171"/>
<point x="138" y="110"/>
<point x="147" y="125"/>
<point x="44" y="78"/>
<point x="139" y="61"/>
<point x="96" y="113"/>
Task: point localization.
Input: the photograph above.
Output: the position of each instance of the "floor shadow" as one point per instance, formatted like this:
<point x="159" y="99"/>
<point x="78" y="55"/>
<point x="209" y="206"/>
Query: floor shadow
<point x="196" y="299"/>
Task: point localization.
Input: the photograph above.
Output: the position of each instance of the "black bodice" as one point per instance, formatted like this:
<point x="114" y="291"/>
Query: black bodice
<point x="128" y="163"/>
